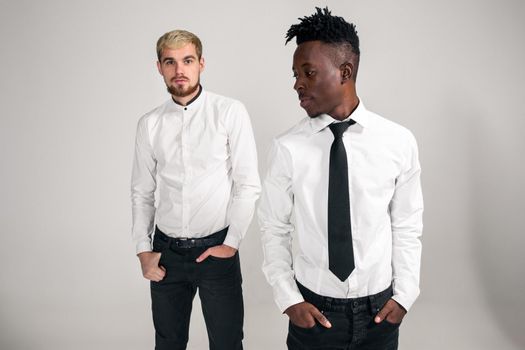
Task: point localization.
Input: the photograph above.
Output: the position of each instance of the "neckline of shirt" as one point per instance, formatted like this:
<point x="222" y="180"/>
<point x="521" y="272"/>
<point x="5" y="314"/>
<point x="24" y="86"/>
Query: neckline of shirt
<point x="358" y="114"/>
<point x="191" y="103"/>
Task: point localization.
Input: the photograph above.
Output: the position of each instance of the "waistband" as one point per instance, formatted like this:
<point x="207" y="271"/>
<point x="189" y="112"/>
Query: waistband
<point x="375" y="301"/>
<point x="208" y="241"/>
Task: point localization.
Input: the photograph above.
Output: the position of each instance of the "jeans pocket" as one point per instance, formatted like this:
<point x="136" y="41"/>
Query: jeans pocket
<point x="218" y="258"/>
<point x="391" y="324"/>
<point x="305" y="330"/>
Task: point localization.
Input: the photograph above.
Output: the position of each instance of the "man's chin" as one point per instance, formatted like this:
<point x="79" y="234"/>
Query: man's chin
<point x="182" y="92"/>
<point x="178" y="92"/>
<point x="311" y="113"/>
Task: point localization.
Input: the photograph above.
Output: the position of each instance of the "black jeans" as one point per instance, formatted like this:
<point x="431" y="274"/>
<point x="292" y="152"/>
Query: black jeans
<point x="353" y="326"/>
<point x="219" y="284"/>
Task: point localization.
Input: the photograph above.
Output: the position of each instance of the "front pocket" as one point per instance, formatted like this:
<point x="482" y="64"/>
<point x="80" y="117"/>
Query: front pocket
<point x="217" y="258"/>
<point x="312" y="330"/>
<point x="390" y="324"/>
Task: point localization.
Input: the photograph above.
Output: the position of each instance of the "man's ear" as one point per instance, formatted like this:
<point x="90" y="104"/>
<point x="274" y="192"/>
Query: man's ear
<point x="347" y="69"/>
<point x="201" y="64"/>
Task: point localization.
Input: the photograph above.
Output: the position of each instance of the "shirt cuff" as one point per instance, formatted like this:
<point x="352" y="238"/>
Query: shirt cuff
<point x="143" y="246"/>
<point x="404" y="296"/>
<point x="286" y="294"/>
<point x="232" y="240"/>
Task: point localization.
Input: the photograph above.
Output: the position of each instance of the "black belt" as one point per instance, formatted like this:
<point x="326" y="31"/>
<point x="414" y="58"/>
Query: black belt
<point x="375" y="301"/>
<point x="208" y="241"/>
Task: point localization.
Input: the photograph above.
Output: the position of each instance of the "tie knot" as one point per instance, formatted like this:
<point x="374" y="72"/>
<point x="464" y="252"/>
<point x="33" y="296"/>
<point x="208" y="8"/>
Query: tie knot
<point x="339" y="128"/>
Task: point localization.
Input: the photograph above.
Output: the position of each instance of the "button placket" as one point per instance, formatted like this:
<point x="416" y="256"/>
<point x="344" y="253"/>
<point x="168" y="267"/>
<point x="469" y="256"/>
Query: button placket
<point x="186" y="167"/>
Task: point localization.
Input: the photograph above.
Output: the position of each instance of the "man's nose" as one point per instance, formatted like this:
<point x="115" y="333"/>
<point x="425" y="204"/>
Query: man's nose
<point x="298" y="85"/>
<point x="179" y="69"/>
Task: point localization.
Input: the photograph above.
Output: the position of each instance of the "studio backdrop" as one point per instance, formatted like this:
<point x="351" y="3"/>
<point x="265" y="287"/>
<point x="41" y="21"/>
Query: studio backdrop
<point x="75" y="77"/>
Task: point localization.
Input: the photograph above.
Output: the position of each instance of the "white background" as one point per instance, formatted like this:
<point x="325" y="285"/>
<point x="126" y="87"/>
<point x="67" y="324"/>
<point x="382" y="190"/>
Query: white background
<point x="75" y="76"/>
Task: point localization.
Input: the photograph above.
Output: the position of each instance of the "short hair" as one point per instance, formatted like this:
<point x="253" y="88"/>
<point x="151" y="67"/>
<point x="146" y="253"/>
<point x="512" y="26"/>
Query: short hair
<point x="324" y="27"/>
<point x="332" y="30"/>
<point x="178" y="38"/>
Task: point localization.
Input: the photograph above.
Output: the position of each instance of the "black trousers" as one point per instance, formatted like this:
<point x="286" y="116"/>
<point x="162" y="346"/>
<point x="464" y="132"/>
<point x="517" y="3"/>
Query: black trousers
<point x="219" y="284"/>
<point x="353" y="326"/>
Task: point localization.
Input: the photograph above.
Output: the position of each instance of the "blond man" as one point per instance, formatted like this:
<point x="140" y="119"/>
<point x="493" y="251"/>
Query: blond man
<point x="194" y="187"/>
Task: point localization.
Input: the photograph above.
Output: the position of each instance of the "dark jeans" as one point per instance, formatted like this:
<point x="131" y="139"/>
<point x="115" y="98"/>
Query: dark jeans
<point x="353" y="326"/>
<point x="219" y="284"/>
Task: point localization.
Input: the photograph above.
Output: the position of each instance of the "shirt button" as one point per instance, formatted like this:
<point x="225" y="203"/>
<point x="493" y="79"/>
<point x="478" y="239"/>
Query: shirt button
<point x="185" y="108"/>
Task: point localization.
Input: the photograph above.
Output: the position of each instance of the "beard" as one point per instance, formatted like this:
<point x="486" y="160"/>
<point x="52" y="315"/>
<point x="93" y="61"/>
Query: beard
<point x="183" y="92"/>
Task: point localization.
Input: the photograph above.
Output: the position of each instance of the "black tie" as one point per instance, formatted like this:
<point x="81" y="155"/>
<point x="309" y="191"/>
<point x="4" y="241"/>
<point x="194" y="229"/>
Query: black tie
<point x="340" y="250"/>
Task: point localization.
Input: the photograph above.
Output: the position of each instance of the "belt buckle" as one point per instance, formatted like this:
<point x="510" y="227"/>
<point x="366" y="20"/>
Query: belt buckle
<point x="181" y="240"/>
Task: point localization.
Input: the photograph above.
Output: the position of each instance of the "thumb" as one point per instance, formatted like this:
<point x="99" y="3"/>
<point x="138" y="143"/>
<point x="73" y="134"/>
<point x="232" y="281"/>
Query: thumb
<point x="204" y="255"/>
<point x="383" y="313"/>
<point x="320" y="318"/>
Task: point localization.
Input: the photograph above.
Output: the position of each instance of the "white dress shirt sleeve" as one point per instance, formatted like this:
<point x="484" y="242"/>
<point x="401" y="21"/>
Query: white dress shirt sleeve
<point x="274" y="214"/>
<point x="406" y="212"/>
<point x="245" y="174"/>
<point x="143" y="184"/>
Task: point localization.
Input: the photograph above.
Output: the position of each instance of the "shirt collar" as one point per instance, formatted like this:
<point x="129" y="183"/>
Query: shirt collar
<point x="196" y="100"/>
<point x="360" y="115"/>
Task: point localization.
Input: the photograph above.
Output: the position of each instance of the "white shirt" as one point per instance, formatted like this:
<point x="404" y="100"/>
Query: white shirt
<point x="201" y="159"/>
<point x="386" y="207"/>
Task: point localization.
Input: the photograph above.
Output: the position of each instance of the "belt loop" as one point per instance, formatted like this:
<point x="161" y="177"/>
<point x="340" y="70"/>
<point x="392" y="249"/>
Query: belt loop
<point x="374" y="307"/>
<point x="327" y="304"/>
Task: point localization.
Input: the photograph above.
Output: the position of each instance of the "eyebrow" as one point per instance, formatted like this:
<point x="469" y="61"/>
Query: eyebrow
<point x="303" y="65"/>
<point x="172" y="59"/>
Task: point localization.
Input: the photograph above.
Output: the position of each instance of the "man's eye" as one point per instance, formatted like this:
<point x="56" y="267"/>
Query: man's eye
<point x="169" y="63"/>
<point x="188" y="61"/>
<point x="310" y="73"/>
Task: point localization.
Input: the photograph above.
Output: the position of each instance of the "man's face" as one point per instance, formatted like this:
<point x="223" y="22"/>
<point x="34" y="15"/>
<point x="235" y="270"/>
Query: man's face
<point x="181" y="70"/>
<point x="317" y="78"/>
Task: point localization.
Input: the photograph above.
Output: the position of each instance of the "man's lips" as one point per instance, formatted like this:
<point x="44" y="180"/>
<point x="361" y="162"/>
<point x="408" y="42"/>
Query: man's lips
<point x="180" y="80"/>
<point x="304" y="100"/>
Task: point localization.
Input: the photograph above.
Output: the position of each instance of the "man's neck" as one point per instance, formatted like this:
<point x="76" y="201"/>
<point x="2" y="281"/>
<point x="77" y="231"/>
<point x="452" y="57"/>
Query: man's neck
<point x="345" y="109"/>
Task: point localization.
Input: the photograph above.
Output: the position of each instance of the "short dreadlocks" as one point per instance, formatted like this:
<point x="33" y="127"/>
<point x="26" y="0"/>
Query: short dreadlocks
<point x="326" y="28"/>
<point x="332" y="30"/>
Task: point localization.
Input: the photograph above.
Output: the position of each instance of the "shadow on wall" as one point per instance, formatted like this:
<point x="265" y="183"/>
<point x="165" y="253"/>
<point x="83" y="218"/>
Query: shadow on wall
<point x="497" y="147"/>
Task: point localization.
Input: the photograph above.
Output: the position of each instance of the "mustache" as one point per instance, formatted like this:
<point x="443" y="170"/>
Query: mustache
<point x="179" y="78"/>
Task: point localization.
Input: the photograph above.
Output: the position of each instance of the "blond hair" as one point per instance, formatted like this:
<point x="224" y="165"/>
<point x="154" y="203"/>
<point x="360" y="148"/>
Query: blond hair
<point x="177" y="39"/>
